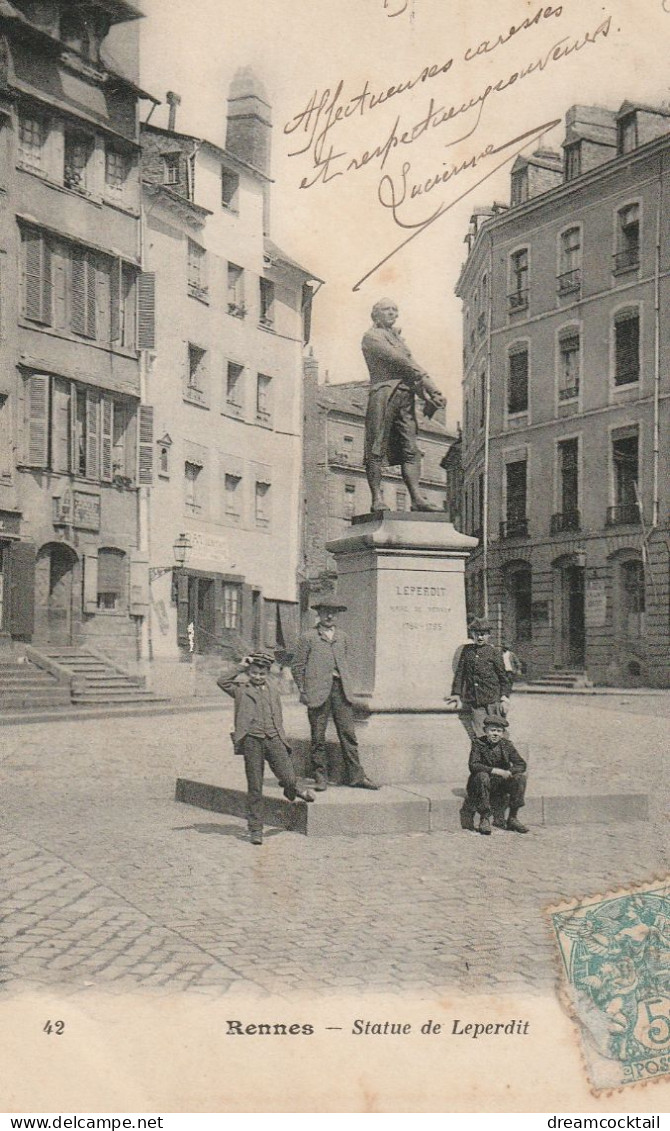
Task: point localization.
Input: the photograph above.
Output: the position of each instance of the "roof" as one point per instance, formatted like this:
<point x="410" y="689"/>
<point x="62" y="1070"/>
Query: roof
<point x="276" y="255"/>
<point x="583" y="131"/>
<point x="120" y="10"/>
<point x="153" y="188"/>
<point x="351" y="397"/>
<point x="630" y="107"/>
<point x="225" y="153"/>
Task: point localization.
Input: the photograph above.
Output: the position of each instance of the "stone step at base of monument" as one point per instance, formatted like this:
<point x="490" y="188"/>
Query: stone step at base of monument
<point x="403" y="809"/>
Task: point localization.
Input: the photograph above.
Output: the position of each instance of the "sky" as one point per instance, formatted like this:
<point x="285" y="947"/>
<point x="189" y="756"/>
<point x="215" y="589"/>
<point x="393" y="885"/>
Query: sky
<point x="583" y="51"/>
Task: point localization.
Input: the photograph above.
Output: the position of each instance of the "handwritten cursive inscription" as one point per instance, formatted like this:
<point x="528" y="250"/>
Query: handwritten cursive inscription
<point x="396" y="7"/>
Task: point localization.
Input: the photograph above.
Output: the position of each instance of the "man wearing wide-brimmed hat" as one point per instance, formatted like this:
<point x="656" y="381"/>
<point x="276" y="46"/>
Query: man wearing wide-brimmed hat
<point x="482" y="685"/>
<point x="321" y="671"/>
<point x="259" y="735"/>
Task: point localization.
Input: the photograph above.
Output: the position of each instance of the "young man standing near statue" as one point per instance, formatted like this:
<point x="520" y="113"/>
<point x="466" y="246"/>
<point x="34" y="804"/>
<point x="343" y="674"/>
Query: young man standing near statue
<point x="391" y="427"/>
<point x="482" y="685"/>
<point x="321" y="671"/>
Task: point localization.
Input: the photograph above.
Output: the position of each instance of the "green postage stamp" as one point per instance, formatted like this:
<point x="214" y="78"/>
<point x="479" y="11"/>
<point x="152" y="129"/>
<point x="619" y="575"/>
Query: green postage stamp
<point x="615" y="959"/>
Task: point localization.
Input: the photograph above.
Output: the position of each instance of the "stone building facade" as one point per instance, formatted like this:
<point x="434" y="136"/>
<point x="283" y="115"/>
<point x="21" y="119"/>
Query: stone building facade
<point x="225" y="381"/>
<point x="567" y="401"/>
<point x="71" y="571"/>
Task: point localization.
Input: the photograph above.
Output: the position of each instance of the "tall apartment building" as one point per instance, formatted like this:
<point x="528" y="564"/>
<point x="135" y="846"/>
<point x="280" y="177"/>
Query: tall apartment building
<point x="70" y="567"/>
<point x="567" y="400"/>
<point x="225" y="380"/>
<point x="335" y="485"/>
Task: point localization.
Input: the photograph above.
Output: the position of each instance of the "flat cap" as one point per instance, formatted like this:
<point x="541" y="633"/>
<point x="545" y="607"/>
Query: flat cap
<point x="481" y="624"/>
<point x="495" y="721"/>
<point x="265" y="659"/>
<point x="334" y="606"/>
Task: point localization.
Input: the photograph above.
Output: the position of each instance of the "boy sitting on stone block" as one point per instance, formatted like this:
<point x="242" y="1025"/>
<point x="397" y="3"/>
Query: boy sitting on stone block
<point x="497" y="780"/>
<point x="259" y="735"/>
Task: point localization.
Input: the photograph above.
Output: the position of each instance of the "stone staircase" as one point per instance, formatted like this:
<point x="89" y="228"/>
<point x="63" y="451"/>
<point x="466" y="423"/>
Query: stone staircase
<point x="23" y="686"/>
<point x="92" y="679"/>
<point x="567" y="678"/>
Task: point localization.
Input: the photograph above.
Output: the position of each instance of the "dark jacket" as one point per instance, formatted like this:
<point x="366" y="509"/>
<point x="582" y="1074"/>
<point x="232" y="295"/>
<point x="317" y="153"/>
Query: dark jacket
<point x="247" y="715"/>
<point x="481" y="677"/>
<point x="313" y="666"/>
<point x="502" y="755"/>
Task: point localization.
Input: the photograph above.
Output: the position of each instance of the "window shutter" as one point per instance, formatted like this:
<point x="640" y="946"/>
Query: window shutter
<point x="37" y="276"/>
<point x="146" y="297"/>
<point x="106" y="429"/>
<point x="37" y="420"/>
<point x="116" y="293"/>
<point x="92" y="434"/>
<point x="91" y="294"/>
<point x="146" y="446"/>
<point x="90" y="582"/>
<point x="78" y="290"/>
<point x="139" y="586"/>
<point x="22" y="589"/>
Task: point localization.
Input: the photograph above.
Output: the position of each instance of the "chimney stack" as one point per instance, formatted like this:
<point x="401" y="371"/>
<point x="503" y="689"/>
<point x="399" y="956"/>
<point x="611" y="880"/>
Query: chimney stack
<point x="173" y="100"/>
<point x="248" y="134"/>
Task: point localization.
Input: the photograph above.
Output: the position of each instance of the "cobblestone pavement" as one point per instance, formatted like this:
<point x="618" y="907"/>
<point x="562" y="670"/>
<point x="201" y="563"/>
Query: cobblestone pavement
<point x="110" y="883"/>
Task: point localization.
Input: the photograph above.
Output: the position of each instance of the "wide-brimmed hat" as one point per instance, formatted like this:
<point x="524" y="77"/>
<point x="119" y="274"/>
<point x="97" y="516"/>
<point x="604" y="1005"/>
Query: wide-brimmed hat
<point x="328" y="603"/>
<point x="481" y="624"/>
<point x="263" y="659"/>
<point x="495" y="721"/>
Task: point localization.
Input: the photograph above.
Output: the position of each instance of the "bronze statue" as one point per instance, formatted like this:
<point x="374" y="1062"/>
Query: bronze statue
<point x="391" y="427"/>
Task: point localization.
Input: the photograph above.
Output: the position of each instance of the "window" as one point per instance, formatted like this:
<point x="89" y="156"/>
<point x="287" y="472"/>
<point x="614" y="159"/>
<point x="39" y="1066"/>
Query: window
<point x="263" y="400"/>
<point x="164" y="460"/>
<point x="632" y="597"/>
<point x="267" y="295"/>
<point x="192" y="474"/>
<point x="262" y="501"/>
<point x="76" y="429"/>
<point x="517" y="382"/>
<point x="627" y="254"/>
<point x="627" y="134"/>
<point x="519" y="186"/>
<point x="519" y="587"/>
<point x="197" y="271"/>
<point x="111" y="579"/>
<point x="196" y="368"/>
<point x="73" y="32"/>
<point x="127" y="332"/>
<point x="568" y="456"/>
<point x="32" y="137"/>
<point x="519" y="273"/>
<point x="568" y="367"/>
<point x="78" y="151"/>
<point x="232" y="604"/>
<point x="6" y="449"/>
<point x="482" y="399"/>
<point x="350" y="500"/>
<point x="171" y="168"/>
<point x="570" y="266"/>
<point x="625" y="459"/>
<point x="117" y="168"/>
<point x="573" y="161"/>
<point x="235" y="386"/>
<point x="401" y="500"/>
<point x="233" y="494"/>
<point x="236" y="291"/>
<point x="480" y="505"/>
<point x="626" y="348"/>
<point x="230" y="183"/>
<point x="515" y="504"/>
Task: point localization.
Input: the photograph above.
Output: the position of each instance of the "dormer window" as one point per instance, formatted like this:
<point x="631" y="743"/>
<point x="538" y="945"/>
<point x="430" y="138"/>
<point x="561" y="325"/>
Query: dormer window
<point x="171" y="168"/>
<point x="82" y="34"/>
<point x="627" y="134"/>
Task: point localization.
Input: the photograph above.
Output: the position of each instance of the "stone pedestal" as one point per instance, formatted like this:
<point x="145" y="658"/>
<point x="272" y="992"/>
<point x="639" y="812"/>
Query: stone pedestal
<point x="402" y="577"/>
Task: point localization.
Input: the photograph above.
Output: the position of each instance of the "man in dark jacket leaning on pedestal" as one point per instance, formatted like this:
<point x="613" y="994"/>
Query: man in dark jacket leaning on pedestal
<point x="321" y="671"/>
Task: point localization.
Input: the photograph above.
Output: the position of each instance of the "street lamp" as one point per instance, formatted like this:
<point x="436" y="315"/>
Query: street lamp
<point x="181" y="549"/>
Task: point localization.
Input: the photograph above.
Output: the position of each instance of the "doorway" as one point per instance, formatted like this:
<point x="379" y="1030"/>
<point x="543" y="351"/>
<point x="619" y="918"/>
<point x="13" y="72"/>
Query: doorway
<point x="55" y="612"/>
<point x="573" y="631"/>
<point x="201" y="613"/>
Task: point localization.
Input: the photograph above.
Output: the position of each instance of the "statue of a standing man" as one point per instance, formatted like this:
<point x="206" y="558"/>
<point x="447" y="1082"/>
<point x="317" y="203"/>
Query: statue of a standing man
<point x="391" y="427"/>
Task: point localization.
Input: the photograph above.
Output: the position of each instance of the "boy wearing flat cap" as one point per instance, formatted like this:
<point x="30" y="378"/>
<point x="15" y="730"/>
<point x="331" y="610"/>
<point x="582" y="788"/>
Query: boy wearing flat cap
<point x="497" y="780"/>
<point x="259" y="735"/>
<point x="482" y="685"/>
<point x="321" y="671"/>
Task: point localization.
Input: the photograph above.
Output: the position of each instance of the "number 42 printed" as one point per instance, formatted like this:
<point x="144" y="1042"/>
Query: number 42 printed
<point x="54" y="1028"/>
